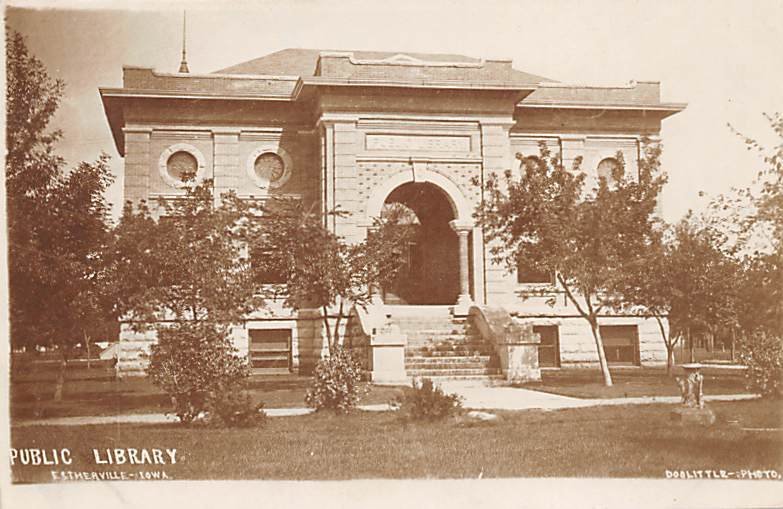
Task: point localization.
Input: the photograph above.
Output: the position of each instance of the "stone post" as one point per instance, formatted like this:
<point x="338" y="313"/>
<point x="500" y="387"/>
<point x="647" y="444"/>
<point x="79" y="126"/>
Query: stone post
<point x="464" y="301"/>
<point x="388" y="358"/>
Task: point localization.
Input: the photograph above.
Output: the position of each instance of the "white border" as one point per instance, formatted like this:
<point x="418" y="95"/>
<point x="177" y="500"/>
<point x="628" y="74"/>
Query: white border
<point x="170" y="151"/>
<point x="263" y="183"/>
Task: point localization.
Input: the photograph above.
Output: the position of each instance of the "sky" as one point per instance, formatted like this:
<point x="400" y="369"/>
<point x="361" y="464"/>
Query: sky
<point x="723" y="58"/>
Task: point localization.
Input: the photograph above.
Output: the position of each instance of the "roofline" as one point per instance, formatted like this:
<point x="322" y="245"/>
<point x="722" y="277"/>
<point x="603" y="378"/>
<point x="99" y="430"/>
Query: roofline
<point x="625" y="86"/>
<point x="457" y="85"/>
<point x="163" y="94"/>
<point x="278" y="77"/>
<point x="672" y="107"/>
<point x="405" y="59"/>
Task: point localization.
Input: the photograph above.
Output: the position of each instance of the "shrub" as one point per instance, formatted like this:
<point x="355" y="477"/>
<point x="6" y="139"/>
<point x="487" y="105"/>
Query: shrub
<point x="195" y="363"/>
<point x="337" y="382"/>
<point x="234" y="408"/>
<point x="762" y="353"/>
<point x="424" y="401"/>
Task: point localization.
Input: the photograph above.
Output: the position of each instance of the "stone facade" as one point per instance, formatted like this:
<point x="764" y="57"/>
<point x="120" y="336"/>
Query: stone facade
<point x="348" y="129"/>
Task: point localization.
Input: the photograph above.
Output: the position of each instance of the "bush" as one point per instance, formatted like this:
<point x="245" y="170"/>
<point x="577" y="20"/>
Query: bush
<point x="762" y="353"/>
<point x="195" y="363"/>
<point x="233" y="408"/>
<point x="423" y="401"/>
<point x="337" y="382"/>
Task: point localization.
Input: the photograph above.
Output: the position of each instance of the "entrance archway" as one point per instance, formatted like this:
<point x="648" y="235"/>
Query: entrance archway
<point x="469" y="271"/>
<point x="431" y="274"/>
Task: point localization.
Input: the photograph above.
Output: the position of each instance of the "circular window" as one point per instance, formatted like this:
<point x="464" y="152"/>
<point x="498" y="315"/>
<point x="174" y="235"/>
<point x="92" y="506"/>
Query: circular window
<point x="607" y="169"/>
<point x="182" y="166"/>
<point x="269" y="167"/>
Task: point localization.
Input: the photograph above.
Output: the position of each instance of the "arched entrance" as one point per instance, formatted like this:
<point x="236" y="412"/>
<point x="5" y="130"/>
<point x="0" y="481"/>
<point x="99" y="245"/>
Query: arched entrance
<point x="431" y="274"/>
<point x="435" y="197"/>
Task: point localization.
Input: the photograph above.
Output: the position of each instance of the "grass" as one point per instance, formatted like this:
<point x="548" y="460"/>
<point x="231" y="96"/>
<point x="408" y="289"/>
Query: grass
<point x="632" y="382"/>
<point x="93" y="393"/>
<point x="137" y="395"/>
<point x="624" y="441"/>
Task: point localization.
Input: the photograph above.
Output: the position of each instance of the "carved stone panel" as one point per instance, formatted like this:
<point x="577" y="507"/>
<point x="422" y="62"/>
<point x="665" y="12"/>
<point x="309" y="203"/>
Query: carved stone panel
<point x="458" y="144"/>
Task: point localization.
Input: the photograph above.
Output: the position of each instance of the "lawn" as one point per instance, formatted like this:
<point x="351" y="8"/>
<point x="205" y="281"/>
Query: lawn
<point x="95" y="393"/>
<point x="33" y="399"/>
<point x="632" y="382"/>
<point x="622" y="441"/>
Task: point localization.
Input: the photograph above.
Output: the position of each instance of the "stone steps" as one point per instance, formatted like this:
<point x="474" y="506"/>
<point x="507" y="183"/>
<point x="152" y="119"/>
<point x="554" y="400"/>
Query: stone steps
<point x="453" y="350"/>
<point x="434" y="333"/>
<point x="443" y="348"/>
<point x="429" y="327"/>
<point x="447" y="365"/>
<point x="451" y="359"/>
<point x="497" y="378"/>
<point x="451" y="373"/>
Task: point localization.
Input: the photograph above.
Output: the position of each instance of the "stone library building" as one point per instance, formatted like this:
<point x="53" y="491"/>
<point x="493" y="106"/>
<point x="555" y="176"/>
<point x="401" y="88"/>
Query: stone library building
<point x="368" y="130"/>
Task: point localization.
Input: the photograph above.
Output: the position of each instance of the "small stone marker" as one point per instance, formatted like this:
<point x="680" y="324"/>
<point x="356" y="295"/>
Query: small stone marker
<point x="692" y="410"/>
<point x="482" y="416"/>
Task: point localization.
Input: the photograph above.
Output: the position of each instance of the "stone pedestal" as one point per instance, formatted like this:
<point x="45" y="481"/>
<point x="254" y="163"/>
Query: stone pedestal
<point x="693" y="415"/>
<point x="692" y="410"/>
<point x="519" y="361"/>
<point x="387" y="358"/>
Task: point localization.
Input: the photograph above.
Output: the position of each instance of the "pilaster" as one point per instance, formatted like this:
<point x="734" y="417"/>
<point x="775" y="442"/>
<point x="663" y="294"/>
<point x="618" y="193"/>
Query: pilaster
<point x="496" y="157"/>
<point x="226" y="160"/>
<point x="137" y="164"/>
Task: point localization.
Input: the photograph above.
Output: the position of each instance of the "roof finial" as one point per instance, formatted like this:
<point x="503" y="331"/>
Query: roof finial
<point x="183" y="66"/>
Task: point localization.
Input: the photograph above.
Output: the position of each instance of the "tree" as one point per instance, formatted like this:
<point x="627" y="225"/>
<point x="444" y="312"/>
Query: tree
<point x="546" y="219"/>
<point x="758" y="220"/>
<point x="58" y="219"/>
<point x="184" y="272"/>
<point x="753" y="217"/>
<point x="186" y="261"/>
<point x="320" y="269"/>
<point x="685" y="278"/>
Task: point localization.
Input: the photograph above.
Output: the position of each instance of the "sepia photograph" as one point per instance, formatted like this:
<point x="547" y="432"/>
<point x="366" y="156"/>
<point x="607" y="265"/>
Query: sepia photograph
<point x="394" y="253"/>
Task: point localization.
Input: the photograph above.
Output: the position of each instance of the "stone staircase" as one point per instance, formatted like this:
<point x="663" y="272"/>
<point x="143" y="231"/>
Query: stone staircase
<point x="441" y="347"/>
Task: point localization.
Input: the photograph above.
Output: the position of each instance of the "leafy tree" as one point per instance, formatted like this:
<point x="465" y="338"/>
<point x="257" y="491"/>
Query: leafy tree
<point x="187" y="260"/>
<point x="183" y="270"/>
<point x="687" y="279"/>
<point x="758" y="214"/>
<point x="546" y="219"/>
<point x="58" y="219"/>
<point x="319" y="268"/>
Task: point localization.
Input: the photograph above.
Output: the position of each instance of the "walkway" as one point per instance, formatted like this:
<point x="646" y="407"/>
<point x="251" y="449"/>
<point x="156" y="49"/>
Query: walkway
<point x="475" y="396"/>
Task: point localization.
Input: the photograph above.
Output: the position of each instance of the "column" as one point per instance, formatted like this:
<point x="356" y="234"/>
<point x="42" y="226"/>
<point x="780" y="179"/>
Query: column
<point x="376" y="292"/>
<point x="463" y="228"/>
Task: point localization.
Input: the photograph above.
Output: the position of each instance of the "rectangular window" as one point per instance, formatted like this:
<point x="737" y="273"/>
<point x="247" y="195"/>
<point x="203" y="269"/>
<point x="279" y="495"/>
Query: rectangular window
<point x="270" y="350"/>
<point x="527" y="275"/>
<point x="549" y="348"/>
<point x="621" y="344"/>
<point x="265" y="268"/>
